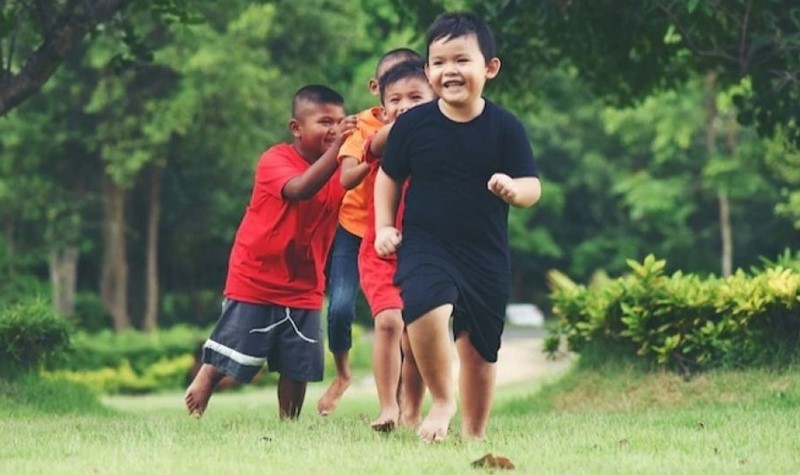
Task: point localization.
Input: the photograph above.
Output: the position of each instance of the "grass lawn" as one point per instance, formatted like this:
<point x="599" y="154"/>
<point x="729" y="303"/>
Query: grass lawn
<point x="612" y="421"/>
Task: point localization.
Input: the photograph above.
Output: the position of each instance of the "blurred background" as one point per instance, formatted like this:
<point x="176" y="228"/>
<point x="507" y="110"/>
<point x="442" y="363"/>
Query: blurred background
<point x="129" y="131"/>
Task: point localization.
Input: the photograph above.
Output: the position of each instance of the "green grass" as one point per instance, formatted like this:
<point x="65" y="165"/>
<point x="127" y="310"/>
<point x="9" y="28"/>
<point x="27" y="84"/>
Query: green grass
<point x="597" y="421"/>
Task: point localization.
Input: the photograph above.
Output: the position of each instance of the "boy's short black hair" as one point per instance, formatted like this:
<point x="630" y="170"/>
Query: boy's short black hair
<point x="414" y="68"/>
<point x="457" y="24"/>
<point x="401" y="54"/>
<point x="317" y="94"/>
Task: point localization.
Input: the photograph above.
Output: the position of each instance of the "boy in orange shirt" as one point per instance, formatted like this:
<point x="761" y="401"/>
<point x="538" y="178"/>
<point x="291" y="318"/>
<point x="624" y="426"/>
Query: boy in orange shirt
<point x="343" y="280"/>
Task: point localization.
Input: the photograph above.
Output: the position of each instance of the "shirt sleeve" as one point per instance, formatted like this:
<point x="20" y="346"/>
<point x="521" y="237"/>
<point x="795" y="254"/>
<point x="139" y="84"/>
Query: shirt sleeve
<point x="518" y="159"/>
<point x="353" y="146"/>
<point x="396" y="161"/>
<point x="273" y="171"/>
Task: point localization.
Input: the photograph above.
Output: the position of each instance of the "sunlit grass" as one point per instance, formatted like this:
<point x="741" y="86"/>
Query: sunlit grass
<point x="590" y="421"/>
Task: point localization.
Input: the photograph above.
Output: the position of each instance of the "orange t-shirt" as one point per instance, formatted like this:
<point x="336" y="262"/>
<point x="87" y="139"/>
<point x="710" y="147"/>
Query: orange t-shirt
<point x="353" y="213"/>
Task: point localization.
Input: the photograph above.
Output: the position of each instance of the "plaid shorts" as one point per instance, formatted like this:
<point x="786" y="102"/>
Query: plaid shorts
<point x="248" y="335"/>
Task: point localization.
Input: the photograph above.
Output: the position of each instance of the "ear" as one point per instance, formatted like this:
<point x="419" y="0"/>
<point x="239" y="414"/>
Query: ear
<point x="294" y="128"/>
<point x="373" y="87"/>
<point x="492" y="68"/>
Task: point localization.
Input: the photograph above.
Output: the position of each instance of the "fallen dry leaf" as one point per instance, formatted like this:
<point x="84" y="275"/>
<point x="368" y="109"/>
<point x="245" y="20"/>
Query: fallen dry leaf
<point x="490" y="461"/>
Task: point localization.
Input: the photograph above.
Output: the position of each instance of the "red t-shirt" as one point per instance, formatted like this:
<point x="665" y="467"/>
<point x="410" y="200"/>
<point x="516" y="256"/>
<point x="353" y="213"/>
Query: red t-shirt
<point x="281" y="246"/>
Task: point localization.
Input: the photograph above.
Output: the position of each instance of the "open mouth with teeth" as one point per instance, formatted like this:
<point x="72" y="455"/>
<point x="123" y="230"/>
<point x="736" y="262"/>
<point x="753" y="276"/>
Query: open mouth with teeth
<point x="452" y="83"/>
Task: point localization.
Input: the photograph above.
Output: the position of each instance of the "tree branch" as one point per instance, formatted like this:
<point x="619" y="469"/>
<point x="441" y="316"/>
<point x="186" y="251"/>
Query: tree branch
<point x="66" y="35"/>
<point x="690" y="41"/>
<point x="744" y="57"/>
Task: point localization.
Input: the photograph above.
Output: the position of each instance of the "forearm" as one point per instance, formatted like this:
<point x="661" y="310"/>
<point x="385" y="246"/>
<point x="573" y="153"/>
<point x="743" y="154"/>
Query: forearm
<point x="306" y="185"/>
<point x="386" y="200"/>
<point x="529" y="190"/>
<point x="378" y="143"/>
<point x="352" y="176"/>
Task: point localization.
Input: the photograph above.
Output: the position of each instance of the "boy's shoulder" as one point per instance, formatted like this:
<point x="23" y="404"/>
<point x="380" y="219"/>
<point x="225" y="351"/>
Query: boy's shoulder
<point x="284" y="151"/>
<point x="499" y="112"/>
<point x="418" y="113"/>
<point x="370" y="120"/>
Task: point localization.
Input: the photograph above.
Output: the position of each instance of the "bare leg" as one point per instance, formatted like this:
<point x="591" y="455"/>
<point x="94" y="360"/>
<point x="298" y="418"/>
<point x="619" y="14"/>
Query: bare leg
<point x="476" y="386"/>
<point x="291" y="395"/>
<point x="199" y="392"/>
<point x="412" y="389"/>
<point x="328" y="402"/>
<point x="430" y="342"/>
<point x="386" y="358"/>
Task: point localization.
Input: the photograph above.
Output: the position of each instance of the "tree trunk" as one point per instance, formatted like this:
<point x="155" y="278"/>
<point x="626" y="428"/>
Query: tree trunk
<point x="151" y="273"/>
<point x="114" y="275"/>
<point x="726" y="235"/>
<point x="63" y="277"/>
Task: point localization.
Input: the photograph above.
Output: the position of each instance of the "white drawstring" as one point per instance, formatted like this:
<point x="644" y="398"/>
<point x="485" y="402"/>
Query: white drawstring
<point x="294" y="325"/>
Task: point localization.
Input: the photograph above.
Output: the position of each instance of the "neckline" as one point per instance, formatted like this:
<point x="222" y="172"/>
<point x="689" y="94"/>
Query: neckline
<point x="438" y="106"/>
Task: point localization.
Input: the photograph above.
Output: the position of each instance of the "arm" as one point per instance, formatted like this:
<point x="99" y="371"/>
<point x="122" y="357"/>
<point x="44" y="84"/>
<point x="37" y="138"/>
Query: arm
<point x="353" y="172"/>
<point x="386" y="201"/>
<point x="379" y="140"/>
<point x="307" y="184"/>
<point x="521" y="192"/>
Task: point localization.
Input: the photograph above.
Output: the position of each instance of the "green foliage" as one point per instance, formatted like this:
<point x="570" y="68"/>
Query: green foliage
<point x="32" y="394"/>
<point x="30" y="335"/>
<point x="164" y="374"/>
<point x="108" y="349"/>
<point x="684" y="321"/>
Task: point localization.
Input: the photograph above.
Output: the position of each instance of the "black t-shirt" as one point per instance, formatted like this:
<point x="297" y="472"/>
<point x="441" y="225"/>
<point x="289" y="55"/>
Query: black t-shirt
<point x="448" y="205"/>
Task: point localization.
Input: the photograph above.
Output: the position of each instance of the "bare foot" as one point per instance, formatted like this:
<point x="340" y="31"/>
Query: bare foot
<point x="387" y="420"/>
<point x="412" y="421"/>
<point x="328" y="402"/>
<point x="199" y="392"/>
<point x="436" y="424"/>
<point x="410" y="414"/>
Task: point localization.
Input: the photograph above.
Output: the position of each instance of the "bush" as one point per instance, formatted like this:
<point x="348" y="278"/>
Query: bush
<point x="33" y="394"/>
<point x="30" y="336"/>
<point x="684" y="321"/>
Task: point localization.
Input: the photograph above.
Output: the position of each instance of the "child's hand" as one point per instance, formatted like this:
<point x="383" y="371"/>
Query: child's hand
<point x="503" y="186"/>
<point x="345" y="128"/>
<point x="387" y="240"/>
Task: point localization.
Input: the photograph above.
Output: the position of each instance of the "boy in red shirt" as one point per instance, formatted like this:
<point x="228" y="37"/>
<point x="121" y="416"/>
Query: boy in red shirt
<point x="343" y="264"/>
<point x="275" y="284"/>
<point x="402" y="87"/>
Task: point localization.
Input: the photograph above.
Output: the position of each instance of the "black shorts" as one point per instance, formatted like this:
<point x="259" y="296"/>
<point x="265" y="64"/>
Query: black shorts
<point x="477" y="309"/>
<point x="248" y="335"/>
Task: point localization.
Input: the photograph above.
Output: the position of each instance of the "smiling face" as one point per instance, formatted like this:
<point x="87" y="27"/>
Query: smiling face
<point x="404" y="94"/>
<point x="313" y="127"/>
<point x="457" y="70"/>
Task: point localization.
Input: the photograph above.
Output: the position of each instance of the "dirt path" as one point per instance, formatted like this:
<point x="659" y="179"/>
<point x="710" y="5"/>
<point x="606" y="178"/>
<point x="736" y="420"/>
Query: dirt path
<point x="520" y="359"/>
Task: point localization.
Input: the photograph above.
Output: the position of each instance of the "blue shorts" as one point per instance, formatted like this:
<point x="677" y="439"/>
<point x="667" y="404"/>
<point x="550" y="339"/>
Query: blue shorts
<point x="248" y="335"/>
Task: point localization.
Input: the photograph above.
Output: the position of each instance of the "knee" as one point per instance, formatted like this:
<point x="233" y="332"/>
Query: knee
<point x="389" y="325"/>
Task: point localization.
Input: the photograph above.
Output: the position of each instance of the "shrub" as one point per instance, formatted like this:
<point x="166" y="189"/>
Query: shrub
<point x="30" y="335"/>
<point x="683" y="321"/>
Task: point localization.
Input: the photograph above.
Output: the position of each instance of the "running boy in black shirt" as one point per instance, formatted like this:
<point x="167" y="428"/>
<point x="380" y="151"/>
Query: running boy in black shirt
<point x="466" y="159"/>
